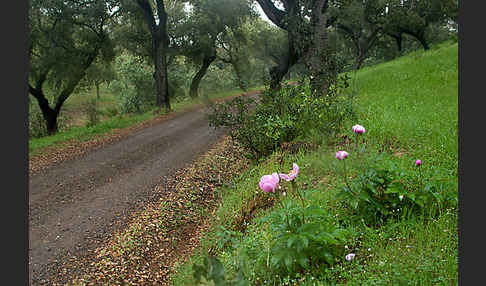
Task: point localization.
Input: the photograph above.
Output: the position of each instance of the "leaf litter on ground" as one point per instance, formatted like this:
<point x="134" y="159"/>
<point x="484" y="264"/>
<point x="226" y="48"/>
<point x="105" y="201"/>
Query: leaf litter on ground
<point x="165" y="232"/>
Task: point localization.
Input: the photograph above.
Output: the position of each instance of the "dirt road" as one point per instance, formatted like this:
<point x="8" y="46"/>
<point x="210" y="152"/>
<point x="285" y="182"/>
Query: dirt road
<point x="75" y="204"/>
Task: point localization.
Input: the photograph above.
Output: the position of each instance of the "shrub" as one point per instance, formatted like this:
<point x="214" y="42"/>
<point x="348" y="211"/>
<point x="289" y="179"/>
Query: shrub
<point x="134" y="85"/>
<point x="303" y="239"/>
<point x="110" y="111"/>
<point x="282" y="116"/>
<point x="91" y="110"/>
<point x="211" y="272"/>
<point x="37" y="124"/>
<point x="383" y="191"/>
<point x="287" y="242"/>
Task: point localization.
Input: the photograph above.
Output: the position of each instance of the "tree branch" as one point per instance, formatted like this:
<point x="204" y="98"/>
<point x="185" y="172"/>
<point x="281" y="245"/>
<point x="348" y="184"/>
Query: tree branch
<point x="275" y="15"/>
<point x="148" y="15"/>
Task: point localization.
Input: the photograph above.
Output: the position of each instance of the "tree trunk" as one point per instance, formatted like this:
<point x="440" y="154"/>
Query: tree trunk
<point x="420" y="36"/>
<point x="278" y="72"/>
<point x="196" y="80"/>
<point x="49" y="114"/>
<point x="359" y="62"/>
<point x="424" y="43"/>
<point x="241" y="85"/>
<point x="398" y="40"/>
<point x="51" y="121"/>
<point x="317" y="56"/>
<point x="160" y="75"/>
<point x="160" y="42"/>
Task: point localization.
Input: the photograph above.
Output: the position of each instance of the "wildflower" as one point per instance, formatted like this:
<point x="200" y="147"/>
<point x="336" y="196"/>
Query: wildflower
<point x="350" y="256"/>
<point x="268" y="183"/>
<point x="341" y="155"/>
<point x="292" y="174"/>
<point x="418" y="162"/>
<point x="358" y="129"/>
<point x="400" y="197"/>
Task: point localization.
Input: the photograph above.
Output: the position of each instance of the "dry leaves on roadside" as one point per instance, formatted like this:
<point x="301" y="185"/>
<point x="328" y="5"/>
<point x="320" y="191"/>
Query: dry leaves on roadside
<point x="167" y="231"/>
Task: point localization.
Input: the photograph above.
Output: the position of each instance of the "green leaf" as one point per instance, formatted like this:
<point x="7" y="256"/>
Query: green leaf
<point x="275" y="261"/>
<point x="328" y="257"/>
<point x="291" y="241"/>
<point x="217" y="272"/>
<point x="305" y="241"/>
<point x="303" y="261"/>
<point x="288" y="262"/>
<point x="392" y="190"/>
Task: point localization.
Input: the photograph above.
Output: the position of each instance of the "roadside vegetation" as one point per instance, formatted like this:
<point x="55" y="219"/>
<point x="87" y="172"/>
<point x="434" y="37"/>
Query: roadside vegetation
<point x="376" y="217"/>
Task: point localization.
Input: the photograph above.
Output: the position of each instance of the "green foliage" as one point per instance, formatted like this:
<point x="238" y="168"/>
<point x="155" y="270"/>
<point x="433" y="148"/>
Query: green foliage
<point x="211" y="273"/>
<point x="179" y="74"/>
<point x="382" y="191"/>
<point x="134" y="84"/>
<point x="37" y="124"/>
<point x="65" y="38"/>
<point x="219" y="76"/>
<point x="92" y="111"/>
<point x="100" y="71"/>
<point x="289" y="114"/>
<point x="409" y="109"/>
<point x="110" y="111"/>
<point x="303" y="239"/>
<point x="285" y="243"/>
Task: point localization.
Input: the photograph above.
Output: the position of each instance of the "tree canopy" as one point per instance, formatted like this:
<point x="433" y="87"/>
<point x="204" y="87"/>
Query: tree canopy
<point x="65" y="38"/>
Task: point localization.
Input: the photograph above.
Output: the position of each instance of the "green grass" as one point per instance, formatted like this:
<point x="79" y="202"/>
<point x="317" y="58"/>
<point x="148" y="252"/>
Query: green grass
<point x="412" y="102"/>
<point x="106" y="127"/>
<point x="409" y="109"/>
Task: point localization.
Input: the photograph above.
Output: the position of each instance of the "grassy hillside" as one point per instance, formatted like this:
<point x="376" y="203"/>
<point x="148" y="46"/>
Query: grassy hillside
<point x="409" y="109"/>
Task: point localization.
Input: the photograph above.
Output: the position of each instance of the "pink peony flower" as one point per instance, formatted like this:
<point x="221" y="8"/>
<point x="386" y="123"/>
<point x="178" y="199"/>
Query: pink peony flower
<point x="292" y="174"/>
<point x="341" y="154"/>
<point x="350" y="256"/>
<point x="268" y="183"/>
<point x="358" y="129"/>
<point x="418" y="162"/>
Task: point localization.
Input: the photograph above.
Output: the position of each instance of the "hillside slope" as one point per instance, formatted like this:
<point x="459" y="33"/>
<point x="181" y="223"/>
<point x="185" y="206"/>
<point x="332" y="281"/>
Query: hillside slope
<point x="409" y="108"/>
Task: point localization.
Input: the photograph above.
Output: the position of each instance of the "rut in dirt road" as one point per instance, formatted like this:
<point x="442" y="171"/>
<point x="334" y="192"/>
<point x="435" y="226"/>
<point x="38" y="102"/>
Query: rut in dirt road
<point x="79" y="201"/>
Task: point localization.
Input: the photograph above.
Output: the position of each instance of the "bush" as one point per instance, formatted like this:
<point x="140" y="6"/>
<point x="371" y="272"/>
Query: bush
<point x="211" y="272"/>
<point x="303" y="239"/>
<point x="282" y="116"/>
<point x="110" y="111"/>
<point x="37" y="124"/>
<point x="383" y="191"/>
<point x="287" y="242"/>
<point x="91" y="110"/>
<point x="134" y="85"/>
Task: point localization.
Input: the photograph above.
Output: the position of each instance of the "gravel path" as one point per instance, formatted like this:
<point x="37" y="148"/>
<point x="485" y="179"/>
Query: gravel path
<point x="75" y="204"/>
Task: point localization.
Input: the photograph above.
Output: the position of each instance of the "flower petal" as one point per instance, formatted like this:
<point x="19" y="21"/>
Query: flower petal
<point x="285" y="177"/>
<point x="296" y="168"/>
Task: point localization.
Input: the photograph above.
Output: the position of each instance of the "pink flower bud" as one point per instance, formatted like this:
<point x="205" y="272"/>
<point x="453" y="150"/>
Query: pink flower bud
<point x="350" y="256"/>
<point x="358" y="129"/>
<point x="418" y="162"/>
<point x="341" y="155"/>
